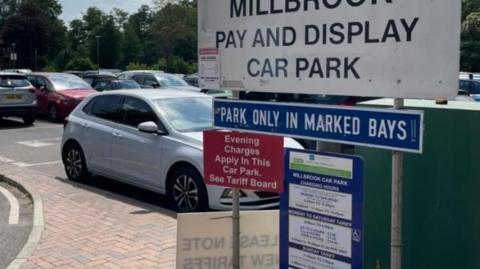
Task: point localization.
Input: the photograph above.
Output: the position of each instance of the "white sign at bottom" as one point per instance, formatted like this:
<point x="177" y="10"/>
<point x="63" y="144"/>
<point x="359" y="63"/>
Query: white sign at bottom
<point x="204" y="240"/>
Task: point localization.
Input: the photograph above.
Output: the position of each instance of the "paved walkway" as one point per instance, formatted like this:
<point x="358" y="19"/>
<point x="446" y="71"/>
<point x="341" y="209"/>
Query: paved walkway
<point x="89" y="228"/>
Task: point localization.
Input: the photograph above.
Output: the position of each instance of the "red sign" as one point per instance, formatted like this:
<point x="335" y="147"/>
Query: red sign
<point x="243" y="160"/>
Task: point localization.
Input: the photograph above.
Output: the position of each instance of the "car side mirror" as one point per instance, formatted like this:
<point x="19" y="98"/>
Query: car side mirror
<point x="155" y="85"/>
<point x="150" y="127"/>
<point x="42" y="88"/>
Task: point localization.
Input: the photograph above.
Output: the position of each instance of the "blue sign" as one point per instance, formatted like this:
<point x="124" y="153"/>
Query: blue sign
<point x="321" y="211"/>
<point x="400" y="130"/>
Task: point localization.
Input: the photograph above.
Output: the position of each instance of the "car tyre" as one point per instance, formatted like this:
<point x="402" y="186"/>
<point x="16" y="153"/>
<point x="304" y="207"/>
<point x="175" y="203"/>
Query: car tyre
<point x="53" y="113"/>
<point x="74" y="162"/>
<point x="186" y="190"/>
<point x="29" y="120"/>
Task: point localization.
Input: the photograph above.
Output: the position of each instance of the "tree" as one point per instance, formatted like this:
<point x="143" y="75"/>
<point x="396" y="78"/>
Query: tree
<point x="139" y="23"/>
<point x="470" y="48"/>
<point x="469" y="6"/>
<point x="174" y="26"/>
<point x="29" y="31"/>
<point x="7" y="9"/>
<point x="131" y="46"/>
<point x="80" y="64"/>
<point x="110" y="43"/>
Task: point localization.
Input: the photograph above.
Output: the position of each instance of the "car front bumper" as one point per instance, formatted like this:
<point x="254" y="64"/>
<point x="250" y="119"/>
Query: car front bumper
<point x="250" y="200"/>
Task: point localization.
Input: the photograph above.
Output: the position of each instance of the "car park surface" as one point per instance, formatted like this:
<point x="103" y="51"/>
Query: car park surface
<point x="98" y="223"/>
<point x="151" y="139"/>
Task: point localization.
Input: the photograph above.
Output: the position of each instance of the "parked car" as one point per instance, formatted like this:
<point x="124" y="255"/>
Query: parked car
<point x="73" y="72"/>
<point x="17" y="97"/>
<point x="192" y="80"/>
<point x="151" y="139"/>
<point x="157" y="80"/>
<point x="58" y="93"/>
<point x="21" y="71"/>
<point x="116" y="84"/>
<point x="93" y="78"/>
<point x="471" y="86"/>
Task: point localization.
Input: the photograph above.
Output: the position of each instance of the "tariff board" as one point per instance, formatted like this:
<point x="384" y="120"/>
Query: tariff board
<point x="379" y="48"/>
<point x="321" y="212"/>
<point x="382" y="128"/>
<point x="243" y="160"/>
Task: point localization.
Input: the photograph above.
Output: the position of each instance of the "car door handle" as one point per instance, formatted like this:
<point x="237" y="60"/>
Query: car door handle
<point x="117" y="135"/>
<point x="85" y="125"/>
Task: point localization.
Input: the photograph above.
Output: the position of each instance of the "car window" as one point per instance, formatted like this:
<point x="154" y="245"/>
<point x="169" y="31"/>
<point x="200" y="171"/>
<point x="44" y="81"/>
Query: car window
<point x="101" y="85"/>
<point x="13" y="81"/>
<point x="126" y="84"/>
<point x="137" y="111"/>
<point x="167" y="80"/>
<point x="139" y="79"/>
<point x="107" y="107"/>
<point x="68" y="82"/>
<point x="475" y="88"/>
<point x="189" y="114"/>
<point x="151" y="81"/>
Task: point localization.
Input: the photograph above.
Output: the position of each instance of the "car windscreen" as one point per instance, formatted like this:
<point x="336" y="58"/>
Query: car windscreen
<point x="63" y="82"/>
<point x="170" y="80"/>
<point x="13" y="82"/>
<point x="126" y="84"/>
<point x="188" y="114"/>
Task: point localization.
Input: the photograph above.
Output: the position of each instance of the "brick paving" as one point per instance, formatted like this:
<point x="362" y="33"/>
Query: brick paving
<point x="90" y="228"/>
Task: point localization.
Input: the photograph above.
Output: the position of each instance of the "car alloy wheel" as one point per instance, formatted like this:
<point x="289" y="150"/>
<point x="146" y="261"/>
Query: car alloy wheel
<point x="53" y="113"/>
<point x="185" y="193"/>
<point x="73" y="163"/>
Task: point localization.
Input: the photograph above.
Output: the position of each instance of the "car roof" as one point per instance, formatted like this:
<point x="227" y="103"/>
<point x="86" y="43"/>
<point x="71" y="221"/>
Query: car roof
<point x="143" y="71"/>
<point x="154" y="94"/>
<point x="12" y="74"/>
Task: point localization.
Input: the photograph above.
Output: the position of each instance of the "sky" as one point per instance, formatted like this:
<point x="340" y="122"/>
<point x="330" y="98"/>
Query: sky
<point x="73" y="9"/>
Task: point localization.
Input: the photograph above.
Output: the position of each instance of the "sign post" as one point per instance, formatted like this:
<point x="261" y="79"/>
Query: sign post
<point x="397" y="187"/>
<point x="236" y="228"/>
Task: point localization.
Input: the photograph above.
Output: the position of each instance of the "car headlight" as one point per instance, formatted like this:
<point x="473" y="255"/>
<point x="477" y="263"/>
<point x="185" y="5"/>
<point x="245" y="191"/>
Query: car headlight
<point x="227" y="193"/>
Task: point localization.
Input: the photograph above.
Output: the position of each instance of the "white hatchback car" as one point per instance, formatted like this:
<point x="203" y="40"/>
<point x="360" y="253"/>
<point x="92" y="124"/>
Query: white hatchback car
<point x="151" y="139"/>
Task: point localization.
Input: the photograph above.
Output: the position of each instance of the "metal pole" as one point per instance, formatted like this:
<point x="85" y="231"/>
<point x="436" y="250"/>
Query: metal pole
<point x="98" y="53"/>
<point x="14" y="55"/>
<point x="36" y="55"/>
<point x="397" y="186"/>
<point x="236" y="228"/>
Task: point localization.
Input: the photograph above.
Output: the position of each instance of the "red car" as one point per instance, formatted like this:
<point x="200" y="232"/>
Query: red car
<point x="58" y="93"/>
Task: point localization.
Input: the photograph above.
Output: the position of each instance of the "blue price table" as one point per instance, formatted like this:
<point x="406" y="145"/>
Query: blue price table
<point x="321" y="211"/>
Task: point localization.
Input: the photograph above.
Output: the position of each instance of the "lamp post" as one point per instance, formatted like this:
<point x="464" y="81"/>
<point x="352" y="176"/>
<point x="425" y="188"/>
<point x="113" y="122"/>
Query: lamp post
<point x="13" y="55"/>
<point x="98" y="53"/>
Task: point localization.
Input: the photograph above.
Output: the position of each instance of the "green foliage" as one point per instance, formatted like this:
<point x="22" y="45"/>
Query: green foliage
<point x="470" y="48"/>
<point x="469" y="6"/>
<point x="137" y="66"/>
<point x="80" y="64"/>
<point x="50" y="68"/>
<point x="163" y="37"/>
<point x="28" y="29"/>
<point x="174" y="25"/>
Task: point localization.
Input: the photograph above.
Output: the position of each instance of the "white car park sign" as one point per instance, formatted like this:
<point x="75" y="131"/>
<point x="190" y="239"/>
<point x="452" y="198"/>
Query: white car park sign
<point x="380" y="48"/>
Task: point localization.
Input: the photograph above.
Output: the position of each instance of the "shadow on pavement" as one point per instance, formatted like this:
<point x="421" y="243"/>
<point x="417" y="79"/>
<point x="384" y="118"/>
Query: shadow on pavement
<point x="151" y="202"/>
<point x="12" y="123"/>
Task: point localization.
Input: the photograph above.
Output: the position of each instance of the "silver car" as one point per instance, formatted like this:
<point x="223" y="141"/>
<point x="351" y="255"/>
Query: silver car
<point x="17" y="97"/>
<point x="151" y="139"/>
